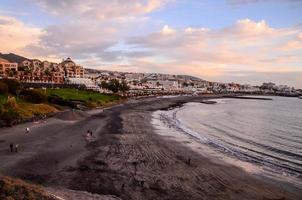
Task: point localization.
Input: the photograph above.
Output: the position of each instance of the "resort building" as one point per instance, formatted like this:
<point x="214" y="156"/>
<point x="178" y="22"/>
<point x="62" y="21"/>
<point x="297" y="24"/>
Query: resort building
<point x="35" y="71"/>
<point x="48" y="72"/>
<point x="8" y="69"/>
<point x="71" y="69"/>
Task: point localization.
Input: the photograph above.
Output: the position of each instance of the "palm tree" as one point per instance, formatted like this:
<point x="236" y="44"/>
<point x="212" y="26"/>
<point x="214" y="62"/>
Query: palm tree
<point x="47" y="72"/>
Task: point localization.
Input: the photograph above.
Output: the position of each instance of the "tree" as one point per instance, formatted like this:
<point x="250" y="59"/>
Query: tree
<point x="123" y="87"/>
<point x="3" y="88"/>
<point x="185" y="84"/>
<point x="104" y="85"/>
<point x="47" y="72"/>
<point x="34" y="96"/>
<point x="27" y="70"/>
<point x="9" y="116"/>
<point x="114" y="85"/>
<point x="13" y="85"/>
<point x="10" y="72"/>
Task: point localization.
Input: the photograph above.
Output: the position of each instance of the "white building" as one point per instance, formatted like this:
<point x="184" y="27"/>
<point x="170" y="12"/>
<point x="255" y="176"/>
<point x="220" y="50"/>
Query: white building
<point x="89" y="84"/>
<point x="169" y="84"/>
<point x="249" y="88"/>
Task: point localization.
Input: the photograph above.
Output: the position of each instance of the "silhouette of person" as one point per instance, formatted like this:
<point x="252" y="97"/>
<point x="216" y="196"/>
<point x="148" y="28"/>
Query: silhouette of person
<point x="11" y="146"/>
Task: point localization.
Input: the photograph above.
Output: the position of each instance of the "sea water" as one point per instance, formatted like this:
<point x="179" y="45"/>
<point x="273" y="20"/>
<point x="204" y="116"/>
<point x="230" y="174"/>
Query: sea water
<point x="259" y="134"/>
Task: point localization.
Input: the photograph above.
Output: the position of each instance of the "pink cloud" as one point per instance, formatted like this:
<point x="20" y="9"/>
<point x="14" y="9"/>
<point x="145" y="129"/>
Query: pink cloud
<point x="100" y="9"/>
<point x="16" y="35"/>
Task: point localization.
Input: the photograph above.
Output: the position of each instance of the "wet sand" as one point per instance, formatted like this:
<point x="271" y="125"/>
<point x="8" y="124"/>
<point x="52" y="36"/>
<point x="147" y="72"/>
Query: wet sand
<point x="125" y="158"/>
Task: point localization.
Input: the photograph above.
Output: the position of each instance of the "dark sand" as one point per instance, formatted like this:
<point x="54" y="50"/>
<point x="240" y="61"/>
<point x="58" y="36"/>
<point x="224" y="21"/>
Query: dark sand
<point x="125" y="158"/>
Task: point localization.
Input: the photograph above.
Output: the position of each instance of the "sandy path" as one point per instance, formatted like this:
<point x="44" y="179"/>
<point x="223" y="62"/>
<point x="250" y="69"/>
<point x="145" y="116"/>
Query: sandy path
<point x="126" y="159"/>
<point x="48" y="147"/>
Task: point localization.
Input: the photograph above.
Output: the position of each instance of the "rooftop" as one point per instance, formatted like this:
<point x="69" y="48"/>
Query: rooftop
<point x="4" y="60"/>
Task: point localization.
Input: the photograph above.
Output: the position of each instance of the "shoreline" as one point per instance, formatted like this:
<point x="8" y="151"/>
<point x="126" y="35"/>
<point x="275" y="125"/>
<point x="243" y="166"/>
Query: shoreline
<point x="128" y="159"/>
<point x="201" y="146"/>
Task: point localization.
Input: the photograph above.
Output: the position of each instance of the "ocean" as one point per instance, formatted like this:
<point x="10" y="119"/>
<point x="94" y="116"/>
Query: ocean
<point x="262" y="135"/>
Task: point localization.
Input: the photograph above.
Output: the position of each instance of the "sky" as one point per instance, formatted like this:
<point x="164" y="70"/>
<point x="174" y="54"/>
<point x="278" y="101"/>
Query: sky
<point x="242" y="41"/>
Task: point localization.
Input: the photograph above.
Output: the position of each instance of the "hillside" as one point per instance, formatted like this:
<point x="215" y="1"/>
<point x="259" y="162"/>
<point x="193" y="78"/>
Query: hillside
<point x="36" y="104"/>
<point x="13" y="57"/>
<point x="14" y="189"/>
<point x="186" y="77"/>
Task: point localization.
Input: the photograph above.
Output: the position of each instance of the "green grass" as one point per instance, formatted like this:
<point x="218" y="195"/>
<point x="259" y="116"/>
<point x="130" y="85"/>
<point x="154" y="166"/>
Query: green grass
<point x="89" y="99"/>
<point x="3" y="99"/>
<point x="82" y="95"/>
<point x="25" y="109"/>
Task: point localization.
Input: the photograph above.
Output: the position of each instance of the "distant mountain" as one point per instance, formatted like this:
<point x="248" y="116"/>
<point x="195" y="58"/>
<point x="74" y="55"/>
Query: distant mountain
<point x="186" y="77"/>
<point x="94" y="71"/>
<point x="193" y="78"/>
<point x="13" y="57"/>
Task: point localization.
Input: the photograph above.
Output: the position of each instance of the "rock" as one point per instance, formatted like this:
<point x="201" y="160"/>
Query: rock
<point x="208" y="102"/>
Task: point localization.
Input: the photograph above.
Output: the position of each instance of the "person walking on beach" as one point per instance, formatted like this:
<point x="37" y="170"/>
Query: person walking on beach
<point x="11" y="146"/>
<point x="16" y="147"/>
<point x="189" y="161"/>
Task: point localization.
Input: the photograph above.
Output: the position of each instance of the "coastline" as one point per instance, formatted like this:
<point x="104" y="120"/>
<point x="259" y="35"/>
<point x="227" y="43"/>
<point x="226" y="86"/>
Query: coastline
<point x="173" y="128"/>
<point x="129" y="160"/>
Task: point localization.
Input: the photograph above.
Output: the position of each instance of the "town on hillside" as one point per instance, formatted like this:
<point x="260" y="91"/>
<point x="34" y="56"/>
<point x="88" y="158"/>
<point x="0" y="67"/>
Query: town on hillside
<point x="35" y="73"/>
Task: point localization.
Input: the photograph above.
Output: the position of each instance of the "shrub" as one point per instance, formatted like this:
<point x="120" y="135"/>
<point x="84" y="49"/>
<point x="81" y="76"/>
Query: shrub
<point x="13" y="189"/>
<point x="123" y="87"/>
<point x="10" y="103"/>
<point x="115" y="86"/>
<point x="54" y="99"/>
<point x="13" y="85"/>
<point x="3" y="88"/>
<point x="34" y="96"/>
<point x="28" y="110"/>
<point x="9" y="116"/>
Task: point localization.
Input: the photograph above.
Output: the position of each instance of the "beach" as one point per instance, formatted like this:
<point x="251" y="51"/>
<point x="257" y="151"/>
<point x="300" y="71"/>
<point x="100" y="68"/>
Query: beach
<point x="125" y="158"/>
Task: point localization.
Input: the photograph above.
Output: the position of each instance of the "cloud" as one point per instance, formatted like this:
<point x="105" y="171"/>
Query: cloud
<point x="242" y="2"/>
<point x="167" y="30"/>
<point x="75" y="39"/>
<point x="291" y="78"/>
<point x="248" y="28"/>
<point x="245" y="2"/>
<point x="89" y="30"/>
<point x="293" y="44"/>
<point x="242" y="31"/>
<point x="16" y="35"/>
<point x="245" y="46"/>
<point x="97" y="34"/>
<point x="100" y="9"/>
<point x="86" y="39"/>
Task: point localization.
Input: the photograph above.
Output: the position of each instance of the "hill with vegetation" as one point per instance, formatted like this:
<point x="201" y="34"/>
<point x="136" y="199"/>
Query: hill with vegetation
<point x="13" y="57"/>
<point x="15" y="189"/>
<point x="18" y="104"/>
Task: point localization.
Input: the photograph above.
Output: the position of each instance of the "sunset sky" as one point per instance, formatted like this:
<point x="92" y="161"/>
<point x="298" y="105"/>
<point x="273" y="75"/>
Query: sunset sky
<point x="244" y="41"/>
